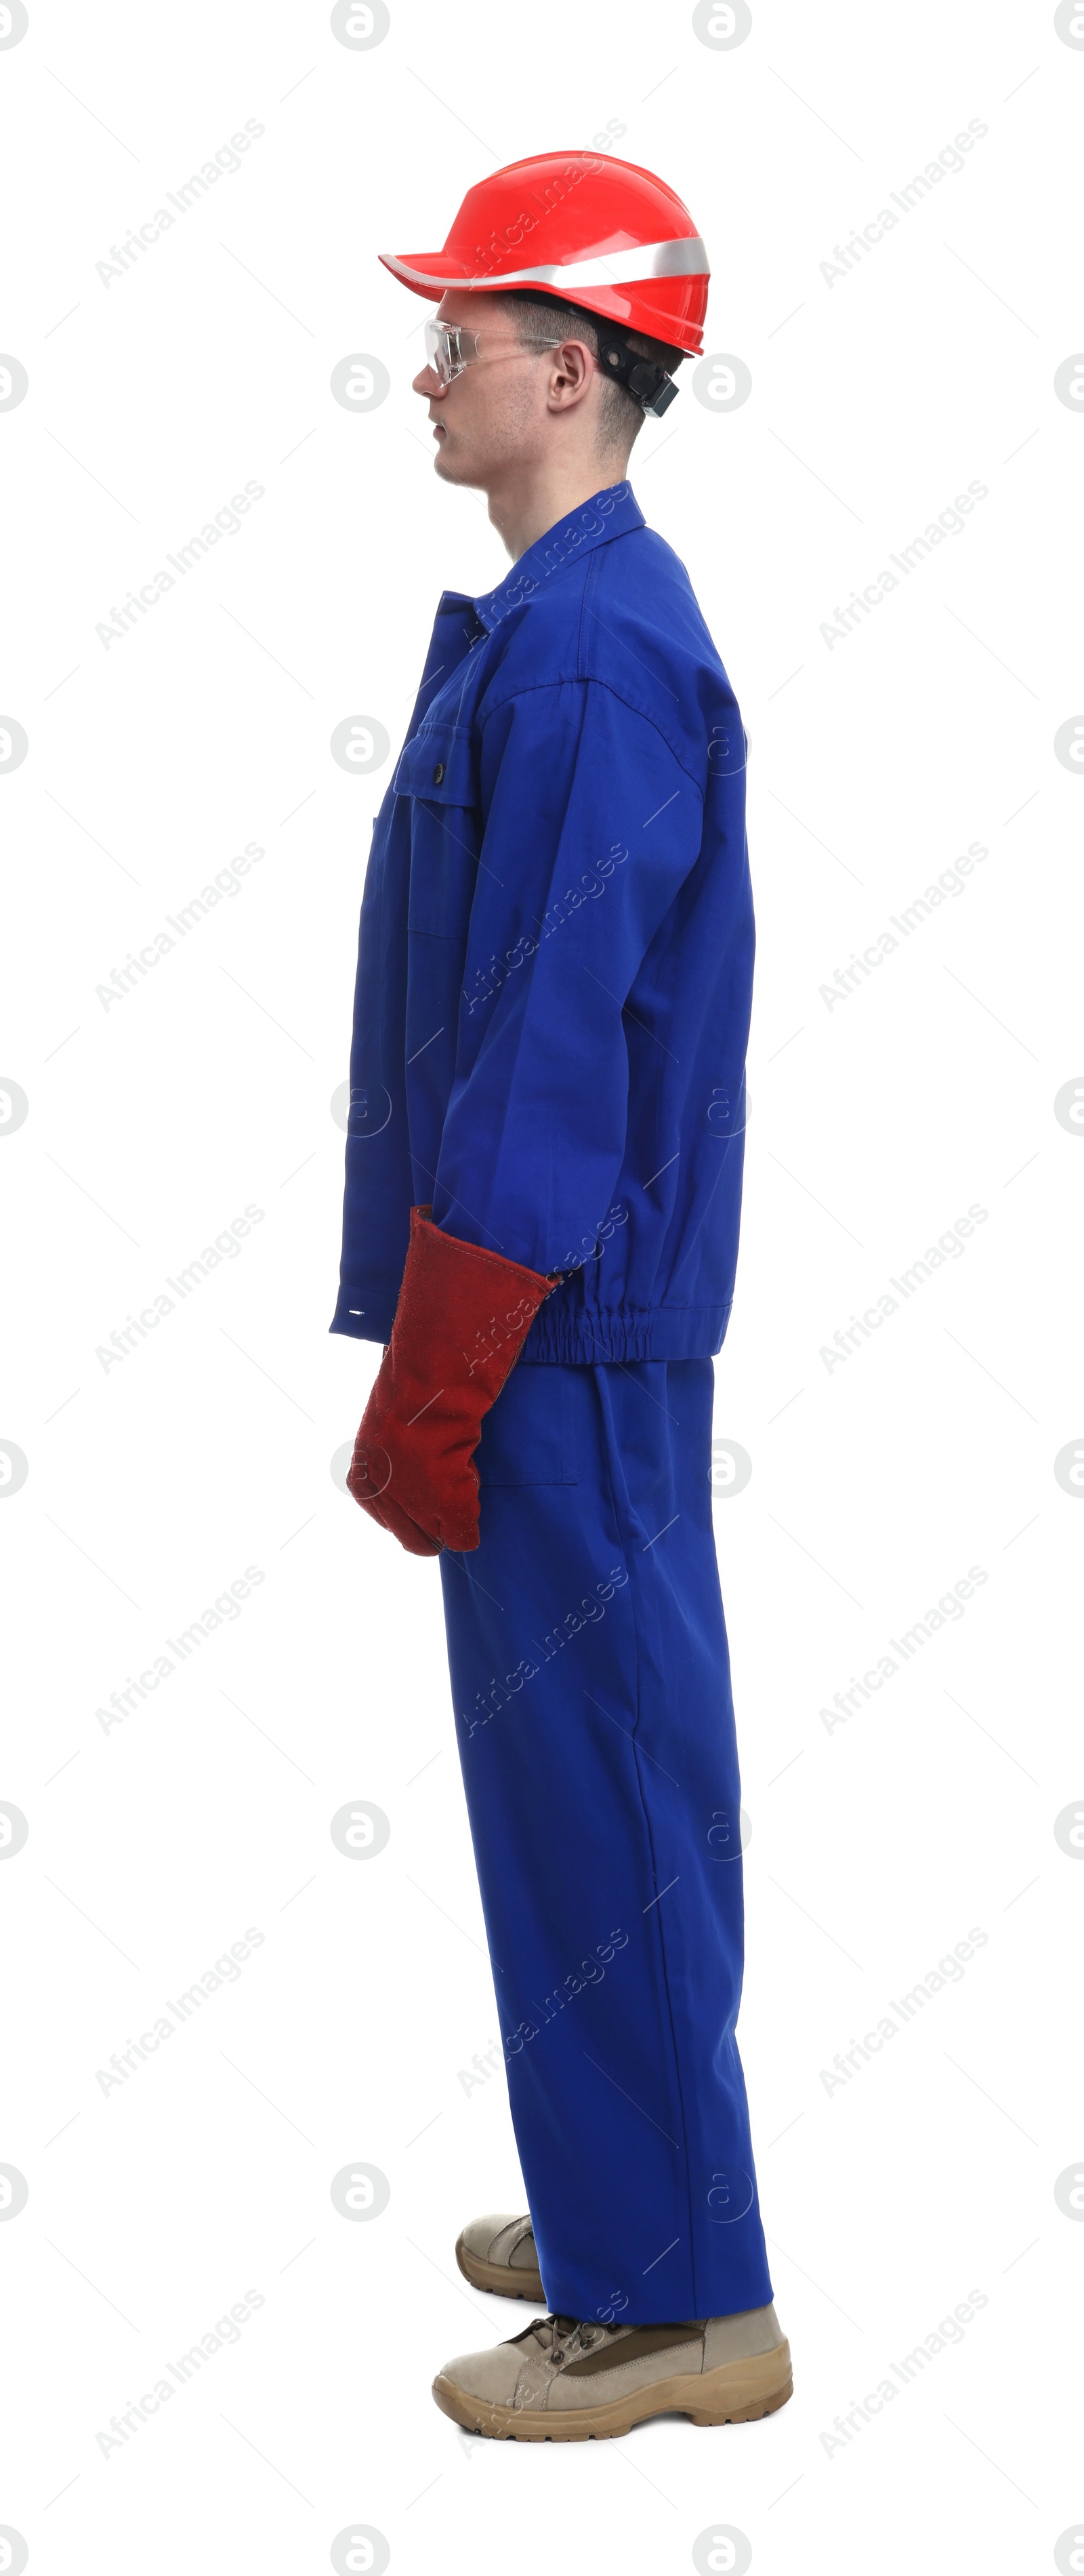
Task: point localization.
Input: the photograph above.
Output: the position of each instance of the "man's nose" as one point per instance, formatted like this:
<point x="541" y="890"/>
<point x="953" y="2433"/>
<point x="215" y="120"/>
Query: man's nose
<point x="429" y="384"/>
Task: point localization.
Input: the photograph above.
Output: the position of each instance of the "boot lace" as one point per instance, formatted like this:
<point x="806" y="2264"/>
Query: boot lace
<point x="565" y="2336"/>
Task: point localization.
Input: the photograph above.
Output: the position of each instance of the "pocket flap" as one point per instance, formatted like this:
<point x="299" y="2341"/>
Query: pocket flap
<point x="437" y="765"/>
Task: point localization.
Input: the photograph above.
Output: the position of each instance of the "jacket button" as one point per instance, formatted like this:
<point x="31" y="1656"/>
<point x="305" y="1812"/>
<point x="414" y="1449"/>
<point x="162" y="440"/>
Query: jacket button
<point x="438" y="773"/>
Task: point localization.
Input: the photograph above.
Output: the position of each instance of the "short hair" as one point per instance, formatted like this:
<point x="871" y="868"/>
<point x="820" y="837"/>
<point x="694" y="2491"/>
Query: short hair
<point x="621" y="415"/>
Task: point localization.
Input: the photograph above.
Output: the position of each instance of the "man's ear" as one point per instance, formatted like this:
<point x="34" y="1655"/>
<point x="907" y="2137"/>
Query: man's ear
<point x="578" y="364"/>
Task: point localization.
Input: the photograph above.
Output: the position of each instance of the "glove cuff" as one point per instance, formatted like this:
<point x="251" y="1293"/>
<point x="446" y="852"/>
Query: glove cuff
<point x="478" y="1305"/>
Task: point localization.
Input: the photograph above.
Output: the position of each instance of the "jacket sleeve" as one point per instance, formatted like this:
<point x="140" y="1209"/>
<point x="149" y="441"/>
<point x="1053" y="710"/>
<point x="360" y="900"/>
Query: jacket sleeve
<point x="591" y="827"/>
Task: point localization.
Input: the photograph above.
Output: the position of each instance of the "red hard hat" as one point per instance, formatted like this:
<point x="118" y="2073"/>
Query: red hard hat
<point x="597" y="232"/>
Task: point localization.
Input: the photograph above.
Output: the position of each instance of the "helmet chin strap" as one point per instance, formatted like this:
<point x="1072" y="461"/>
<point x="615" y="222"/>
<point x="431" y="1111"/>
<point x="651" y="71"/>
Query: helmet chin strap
<point x="651" y="386"/>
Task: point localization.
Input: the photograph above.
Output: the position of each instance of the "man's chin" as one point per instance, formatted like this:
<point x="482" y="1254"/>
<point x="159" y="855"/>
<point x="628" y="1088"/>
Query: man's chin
<point x="453" y="469"/>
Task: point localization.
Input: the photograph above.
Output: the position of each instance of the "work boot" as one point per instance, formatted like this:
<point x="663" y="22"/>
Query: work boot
<point x="560" y="2381"/>
<point x="498" y="2253"/>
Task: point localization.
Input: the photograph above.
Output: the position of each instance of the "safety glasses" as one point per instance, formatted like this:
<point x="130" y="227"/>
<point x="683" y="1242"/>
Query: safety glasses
<point x="449" y="347"/>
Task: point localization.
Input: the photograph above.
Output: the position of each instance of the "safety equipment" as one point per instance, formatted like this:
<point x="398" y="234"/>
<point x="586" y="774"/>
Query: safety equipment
<point x="449" y="347"/>
<point x="584" y="228"/>
<point x="459" y="1328"/>
<point x="652" y="386"/>
<point x="566" y="2380"/>
<point x="498" y="2253"/>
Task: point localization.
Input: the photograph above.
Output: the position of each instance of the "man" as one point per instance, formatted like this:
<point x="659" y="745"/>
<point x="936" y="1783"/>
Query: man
<point x="543" y="1184"/>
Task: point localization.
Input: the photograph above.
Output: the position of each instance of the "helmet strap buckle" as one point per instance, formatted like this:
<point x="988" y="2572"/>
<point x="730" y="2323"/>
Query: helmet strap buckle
<point x="650" y="385"/>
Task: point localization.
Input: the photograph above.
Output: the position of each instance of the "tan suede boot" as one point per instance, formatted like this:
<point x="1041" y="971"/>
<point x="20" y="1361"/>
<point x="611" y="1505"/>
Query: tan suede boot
<point x="561" y="2381"/>
<point x="498" y="2253"/>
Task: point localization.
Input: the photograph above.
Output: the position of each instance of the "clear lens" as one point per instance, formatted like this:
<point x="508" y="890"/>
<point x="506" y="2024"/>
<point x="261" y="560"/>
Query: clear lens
<point x="444" y="349"/>
<point x="449" y="347"/>
<point x="436" y="355"/>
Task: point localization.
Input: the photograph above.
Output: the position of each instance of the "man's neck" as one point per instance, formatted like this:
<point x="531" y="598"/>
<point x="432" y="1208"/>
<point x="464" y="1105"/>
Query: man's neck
<point x="536" y="497"/>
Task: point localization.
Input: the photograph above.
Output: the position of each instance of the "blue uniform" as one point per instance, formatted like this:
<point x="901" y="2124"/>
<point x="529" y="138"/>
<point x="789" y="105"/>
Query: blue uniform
<point x="553" y="995"/>
<point x="556" y="954"/>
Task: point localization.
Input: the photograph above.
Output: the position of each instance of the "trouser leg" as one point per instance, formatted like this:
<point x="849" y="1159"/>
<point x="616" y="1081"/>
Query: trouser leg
<point x="590" y="1677"/>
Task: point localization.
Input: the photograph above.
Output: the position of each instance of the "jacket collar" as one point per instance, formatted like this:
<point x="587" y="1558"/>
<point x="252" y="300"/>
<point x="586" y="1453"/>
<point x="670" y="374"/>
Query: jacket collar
<point x="610" y="513"/>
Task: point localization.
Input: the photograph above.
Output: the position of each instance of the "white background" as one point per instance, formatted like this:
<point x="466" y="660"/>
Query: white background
<point x="876" y="1483"/>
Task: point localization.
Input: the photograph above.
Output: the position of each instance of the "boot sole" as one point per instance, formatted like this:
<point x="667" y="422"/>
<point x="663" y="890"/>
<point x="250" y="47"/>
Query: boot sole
<point x="738" y="2392"/>
<point x="499" y="2277"/>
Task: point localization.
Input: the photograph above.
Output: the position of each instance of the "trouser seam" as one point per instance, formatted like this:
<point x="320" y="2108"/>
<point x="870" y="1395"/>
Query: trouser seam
<point x="609" y="1444"/>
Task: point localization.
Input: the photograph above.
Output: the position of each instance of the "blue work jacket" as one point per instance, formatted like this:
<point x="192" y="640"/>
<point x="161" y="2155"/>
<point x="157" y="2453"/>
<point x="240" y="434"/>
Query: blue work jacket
<point x="556" y="955"/>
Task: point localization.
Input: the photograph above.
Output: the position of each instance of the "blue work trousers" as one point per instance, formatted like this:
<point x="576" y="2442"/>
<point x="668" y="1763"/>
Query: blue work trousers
<point x="591" y="1682"/>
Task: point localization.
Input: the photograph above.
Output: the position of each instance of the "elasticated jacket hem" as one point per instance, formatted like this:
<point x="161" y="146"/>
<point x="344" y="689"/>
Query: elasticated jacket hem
<point x="662" y="1333"/>
<point x="572" y="1340"/>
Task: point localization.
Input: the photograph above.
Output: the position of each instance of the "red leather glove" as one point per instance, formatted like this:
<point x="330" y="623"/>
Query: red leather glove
<point x="460" y="1324"/>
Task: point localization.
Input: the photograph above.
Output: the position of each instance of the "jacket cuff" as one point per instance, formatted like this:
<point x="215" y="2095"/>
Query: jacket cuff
<point x="364" y="1313"/>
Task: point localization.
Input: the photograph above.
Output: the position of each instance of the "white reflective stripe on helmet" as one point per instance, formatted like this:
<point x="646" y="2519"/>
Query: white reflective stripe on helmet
<point x="686" y="258"/>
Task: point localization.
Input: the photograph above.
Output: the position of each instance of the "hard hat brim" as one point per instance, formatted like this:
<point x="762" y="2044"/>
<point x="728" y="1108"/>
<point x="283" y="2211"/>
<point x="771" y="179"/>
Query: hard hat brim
<point x="600" y="282"/>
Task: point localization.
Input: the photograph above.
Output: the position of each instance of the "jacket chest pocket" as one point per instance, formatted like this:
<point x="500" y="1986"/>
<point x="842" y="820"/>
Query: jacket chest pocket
<point x="436" y="771"/>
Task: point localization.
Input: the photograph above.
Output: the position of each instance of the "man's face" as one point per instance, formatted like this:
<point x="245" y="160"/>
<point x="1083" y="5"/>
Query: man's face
<point x="499" y="411"/>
